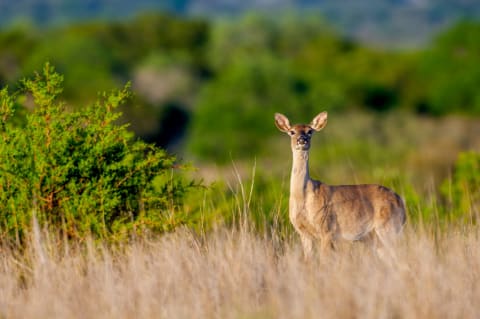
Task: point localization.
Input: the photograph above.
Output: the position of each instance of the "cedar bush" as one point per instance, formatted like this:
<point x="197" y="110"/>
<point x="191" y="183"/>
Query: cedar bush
<point x="78" y="171"/>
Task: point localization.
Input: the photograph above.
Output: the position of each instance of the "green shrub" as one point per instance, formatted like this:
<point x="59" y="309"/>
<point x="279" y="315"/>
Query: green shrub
<point x="463" y="189"/>
<point x="79" y="171"/>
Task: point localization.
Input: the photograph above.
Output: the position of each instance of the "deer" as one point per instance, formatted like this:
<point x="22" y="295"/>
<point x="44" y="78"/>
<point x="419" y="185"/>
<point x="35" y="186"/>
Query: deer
<point x="328" y="213"/>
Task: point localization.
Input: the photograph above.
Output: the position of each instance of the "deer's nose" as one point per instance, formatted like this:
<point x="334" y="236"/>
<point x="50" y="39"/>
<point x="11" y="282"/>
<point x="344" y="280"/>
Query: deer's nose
<point x="302" y="140"/>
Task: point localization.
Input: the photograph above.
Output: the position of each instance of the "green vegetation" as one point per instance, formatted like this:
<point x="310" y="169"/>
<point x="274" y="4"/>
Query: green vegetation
<point x="100" y="56"/>
<point x="450" y="71"/>
<point x="302" y="67"/>
<point x="207" y="91"/>
<point x="463" y="189"/>
<point x="77" y="171"/>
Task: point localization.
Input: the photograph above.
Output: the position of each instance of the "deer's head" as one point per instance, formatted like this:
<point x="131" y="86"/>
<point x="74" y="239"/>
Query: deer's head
<point x="300" y="134"/>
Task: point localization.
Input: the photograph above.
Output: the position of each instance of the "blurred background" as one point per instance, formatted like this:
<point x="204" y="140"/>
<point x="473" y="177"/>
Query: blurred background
<point x="400" y="79"/>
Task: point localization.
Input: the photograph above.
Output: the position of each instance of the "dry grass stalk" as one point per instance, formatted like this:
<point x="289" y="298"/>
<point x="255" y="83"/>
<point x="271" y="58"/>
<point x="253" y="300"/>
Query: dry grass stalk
<point x="237" y="274"/>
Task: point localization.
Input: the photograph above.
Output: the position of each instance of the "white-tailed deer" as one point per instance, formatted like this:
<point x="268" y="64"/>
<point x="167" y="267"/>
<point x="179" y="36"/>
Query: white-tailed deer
<point x="328" y="213"/>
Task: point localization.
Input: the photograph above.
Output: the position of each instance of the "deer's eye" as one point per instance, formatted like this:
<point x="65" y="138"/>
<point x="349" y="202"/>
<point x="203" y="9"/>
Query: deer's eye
<point x="291" y="132"/>
<point x="310" y="132"/>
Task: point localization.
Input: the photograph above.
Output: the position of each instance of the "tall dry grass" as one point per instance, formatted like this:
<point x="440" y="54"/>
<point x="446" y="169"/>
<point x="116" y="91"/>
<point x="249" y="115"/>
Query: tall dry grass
<point x="239" y="274"/>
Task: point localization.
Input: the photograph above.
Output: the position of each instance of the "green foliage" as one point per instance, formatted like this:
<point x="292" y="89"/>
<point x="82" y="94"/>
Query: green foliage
<point x="295" y="67"/>
<point x="98" y="56"/>
<point x="85" y="61"/>
<point x="462" y="191"/>
<point x="241" y="102"/>
<point x="451" y="73"/>
<point x="225" y="79"/>
<point x="79" y="171"/>
<point x="243" y="70"/>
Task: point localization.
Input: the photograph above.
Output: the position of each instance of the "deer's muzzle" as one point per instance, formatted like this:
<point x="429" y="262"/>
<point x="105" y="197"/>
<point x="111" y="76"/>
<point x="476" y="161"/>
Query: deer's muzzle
<point x="302" y="142"/>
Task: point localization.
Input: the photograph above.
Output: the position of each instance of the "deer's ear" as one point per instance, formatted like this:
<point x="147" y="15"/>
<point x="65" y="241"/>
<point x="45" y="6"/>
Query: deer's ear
<point x="319" y="121"/>
<point x="281" y="121"/>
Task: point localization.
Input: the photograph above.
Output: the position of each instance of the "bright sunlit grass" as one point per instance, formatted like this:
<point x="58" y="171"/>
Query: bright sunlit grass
<point x="237" y="273"/>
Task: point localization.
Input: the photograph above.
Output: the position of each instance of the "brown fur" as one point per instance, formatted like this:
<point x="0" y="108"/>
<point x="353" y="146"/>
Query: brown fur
<point x="329" y="213"/>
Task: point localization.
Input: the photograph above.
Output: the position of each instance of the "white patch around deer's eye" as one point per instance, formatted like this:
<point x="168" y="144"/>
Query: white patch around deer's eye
<point x="291" y="133"/>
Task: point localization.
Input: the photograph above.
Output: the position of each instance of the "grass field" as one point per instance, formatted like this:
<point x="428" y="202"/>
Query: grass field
<point x="241" y="274"/>
<point x="236" y="255"/>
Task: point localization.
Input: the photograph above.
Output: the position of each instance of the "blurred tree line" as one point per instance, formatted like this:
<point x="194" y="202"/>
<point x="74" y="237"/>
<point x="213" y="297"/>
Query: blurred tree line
<point x="162" y="55"/>
<point x="221" y="81"/>
<point x="392" y="23"/>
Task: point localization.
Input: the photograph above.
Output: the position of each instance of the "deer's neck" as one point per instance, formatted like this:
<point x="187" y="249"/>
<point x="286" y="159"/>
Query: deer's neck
<point x="300" y="175"/>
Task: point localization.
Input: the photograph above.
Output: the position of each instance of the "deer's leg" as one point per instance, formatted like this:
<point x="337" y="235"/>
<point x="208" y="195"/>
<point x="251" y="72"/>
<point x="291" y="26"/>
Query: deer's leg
<point x="370" y="241"/>
<point x="326" y="227"/>
<point x="307" y="243"/>
<point x="386" y="251"/>
<point x="327" y="245"/>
